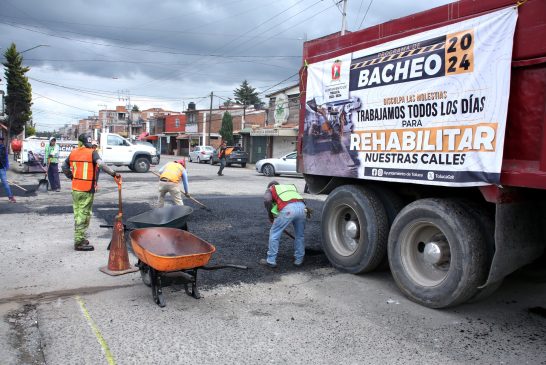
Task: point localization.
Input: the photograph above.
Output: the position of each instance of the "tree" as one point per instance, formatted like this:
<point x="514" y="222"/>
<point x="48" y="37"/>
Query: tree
<point x="246" y="95"/>
<point x="226" y="131"/>
<point x="135" y="109"/>
<point x="19" y="91"/>
<point x="228" y="103"/>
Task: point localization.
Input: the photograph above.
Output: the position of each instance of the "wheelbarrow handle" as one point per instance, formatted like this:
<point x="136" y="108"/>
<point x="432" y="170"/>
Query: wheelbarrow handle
<point x="112" y="226"/>
<point x="224" y="266"/>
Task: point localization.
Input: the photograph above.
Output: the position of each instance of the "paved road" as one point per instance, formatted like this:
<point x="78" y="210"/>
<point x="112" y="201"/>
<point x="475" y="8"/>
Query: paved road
<point x="59" y="309"/>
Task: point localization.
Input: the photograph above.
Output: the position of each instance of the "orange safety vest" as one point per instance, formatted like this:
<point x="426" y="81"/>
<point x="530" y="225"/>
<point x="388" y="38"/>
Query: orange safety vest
<point x="84" y="171"/>
<point x="173" y="172"/>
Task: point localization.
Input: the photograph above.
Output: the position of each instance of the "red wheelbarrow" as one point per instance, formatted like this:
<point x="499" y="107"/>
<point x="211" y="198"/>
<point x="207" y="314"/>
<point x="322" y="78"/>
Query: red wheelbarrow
<point x="169" y="256"/>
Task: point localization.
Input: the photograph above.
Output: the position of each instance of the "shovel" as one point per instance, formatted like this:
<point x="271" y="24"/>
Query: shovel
<point x="20" y="187"/>
<point x="43" y="184"/>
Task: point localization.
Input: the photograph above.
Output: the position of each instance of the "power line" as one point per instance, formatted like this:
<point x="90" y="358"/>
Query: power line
<point x="141" y="49"/>
<point x="365" y="14"/>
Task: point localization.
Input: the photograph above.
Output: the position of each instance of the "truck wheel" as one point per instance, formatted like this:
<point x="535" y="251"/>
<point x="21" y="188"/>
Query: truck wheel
<point x="243" y="165"/>
<point x="268" y="170"/>
<point x="393" y="204"/>
<point x="354" y="229"/>
<point x="436" y="253"/>
<point x="486" y="220"/>
<point x="141" y="164"/>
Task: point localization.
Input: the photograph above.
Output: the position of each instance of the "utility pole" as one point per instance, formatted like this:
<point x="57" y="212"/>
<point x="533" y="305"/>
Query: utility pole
<point x="104" y="116"/>
<point x="210" y="114"/>
<point x="344" y="18"/>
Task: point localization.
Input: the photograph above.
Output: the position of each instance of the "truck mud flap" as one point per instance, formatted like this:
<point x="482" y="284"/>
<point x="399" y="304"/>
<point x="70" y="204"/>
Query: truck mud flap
<point x="519" y="238"/>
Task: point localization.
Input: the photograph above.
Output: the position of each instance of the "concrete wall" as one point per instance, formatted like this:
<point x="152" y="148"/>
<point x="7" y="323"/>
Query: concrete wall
<point x="283" y="145"/>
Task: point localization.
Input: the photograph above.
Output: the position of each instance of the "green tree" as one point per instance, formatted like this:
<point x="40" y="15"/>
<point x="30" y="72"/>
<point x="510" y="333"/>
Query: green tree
<point x="135" y="108"/>
<point x="246" y="95"/>
<point x="19" y="91"/>
<point x="226" y="131"/>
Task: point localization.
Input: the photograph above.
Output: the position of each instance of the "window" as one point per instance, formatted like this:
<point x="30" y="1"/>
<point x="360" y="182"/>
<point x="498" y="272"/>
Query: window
<point x="114" y="141"/>
<point x="177" y="123"/>
<point x="291" y="156"/>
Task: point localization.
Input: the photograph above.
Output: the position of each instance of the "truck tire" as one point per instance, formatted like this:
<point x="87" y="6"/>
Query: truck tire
<point x="436" y="253"/>
<point x="393" y="204"/>
<point x="486" y="219"/>
<point x="141" y="164"/>
<point x="243" y="165"/>
<point x="354" y="229"/>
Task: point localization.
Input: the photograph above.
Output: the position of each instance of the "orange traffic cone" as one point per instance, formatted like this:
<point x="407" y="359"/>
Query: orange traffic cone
<point x="118" y="261"/>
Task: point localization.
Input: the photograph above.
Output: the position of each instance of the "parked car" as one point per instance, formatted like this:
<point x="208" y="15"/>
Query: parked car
<point x="201" y="154"/>
<point x="277" y="166"/>
<point x="234" y="156"/>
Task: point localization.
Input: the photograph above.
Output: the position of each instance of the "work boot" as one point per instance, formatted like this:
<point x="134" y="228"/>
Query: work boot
<point x="298" y="263"/>
<point x="264" y="262"/>
<point x="84" y="248"/>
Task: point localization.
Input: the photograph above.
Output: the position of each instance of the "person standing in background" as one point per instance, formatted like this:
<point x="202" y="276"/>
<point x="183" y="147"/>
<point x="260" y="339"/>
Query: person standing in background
<point x="51" y="157"/>
<point x="4" y="166"/>
<point x="222" y="158"/>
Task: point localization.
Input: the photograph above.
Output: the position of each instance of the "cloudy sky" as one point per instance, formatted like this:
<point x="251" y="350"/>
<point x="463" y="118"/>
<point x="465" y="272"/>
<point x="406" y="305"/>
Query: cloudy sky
<point x="167" y="53"/>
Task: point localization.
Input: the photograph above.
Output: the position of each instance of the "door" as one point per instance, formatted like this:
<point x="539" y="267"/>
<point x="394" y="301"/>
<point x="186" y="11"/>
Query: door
<point x="117" y="150"/>
<point x="258" y="149"/>
<point x="287" y="164"/>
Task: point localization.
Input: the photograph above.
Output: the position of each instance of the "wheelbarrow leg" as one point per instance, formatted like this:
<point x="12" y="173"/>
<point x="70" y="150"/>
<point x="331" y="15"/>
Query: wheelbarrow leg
<point x="194" y="291"/>
<point x="157" y="291"/>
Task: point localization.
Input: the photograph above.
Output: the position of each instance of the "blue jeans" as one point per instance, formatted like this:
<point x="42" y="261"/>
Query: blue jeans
<point x="4" y="179"/>
<point x="292" y="213"/>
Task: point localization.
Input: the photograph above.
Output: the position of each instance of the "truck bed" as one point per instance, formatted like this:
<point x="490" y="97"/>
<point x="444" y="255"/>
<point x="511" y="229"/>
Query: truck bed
<point x="524" y="161"/>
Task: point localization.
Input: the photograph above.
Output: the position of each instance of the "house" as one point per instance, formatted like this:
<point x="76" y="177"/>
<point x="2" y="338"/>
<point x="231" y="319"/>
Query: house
<point x="280" y="134"/>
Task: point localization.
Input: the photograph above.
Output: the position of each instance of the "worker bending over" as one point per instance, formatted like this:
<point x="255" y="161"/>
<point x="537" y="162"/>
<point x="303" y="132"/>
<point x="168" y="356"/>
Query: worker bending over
<point x="169" y="178"/>
<point x="284" y="205"/>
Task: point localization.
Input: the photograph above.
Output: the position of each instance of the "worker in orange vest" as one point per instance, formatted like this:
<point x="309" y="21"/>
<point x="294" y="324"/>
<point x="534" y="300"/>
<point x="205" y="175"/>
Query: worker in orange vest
<point x="169" y="178"/>
<point x="81" y="167"/>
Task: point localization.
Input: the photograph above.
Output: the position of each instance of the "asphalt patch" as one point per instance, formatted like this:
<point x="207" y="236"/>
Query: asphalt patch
<point x="239" y="228"/>
<point x="539" y="311"/>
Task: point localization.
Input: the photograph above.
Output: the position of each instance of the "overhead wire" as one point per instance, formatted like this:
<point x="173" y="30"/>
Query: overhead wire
<point x="365" y="14"/>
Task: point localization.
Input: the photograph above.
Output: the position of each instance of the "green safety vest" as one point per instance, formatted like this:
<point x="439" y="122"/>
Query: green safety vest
<point x="285" y="193"/>
<point x="53" y="150"/>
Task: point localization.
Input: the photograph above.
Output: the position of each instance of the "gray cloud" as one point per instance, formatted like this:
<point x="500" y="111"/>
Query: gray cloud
<point x="164" y="49"/>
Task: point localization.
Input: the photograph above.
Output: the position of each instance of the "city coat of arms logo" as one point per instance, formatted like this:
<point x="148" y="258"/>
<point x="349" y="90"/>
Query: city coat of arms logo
<point x="336" y="70"/>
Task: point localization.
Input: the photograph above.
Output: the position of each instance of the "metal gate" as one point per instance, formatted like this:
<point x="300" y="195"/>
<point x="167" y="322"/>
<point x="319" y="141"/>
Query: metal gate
<point x="258" y="150"/>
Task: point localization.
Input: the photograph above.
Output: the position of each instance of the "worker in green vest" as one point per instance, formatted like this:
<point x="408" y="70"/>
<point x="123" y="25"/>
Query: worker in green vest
<point x="51" y="159"/>
<point x="284" y="205"/>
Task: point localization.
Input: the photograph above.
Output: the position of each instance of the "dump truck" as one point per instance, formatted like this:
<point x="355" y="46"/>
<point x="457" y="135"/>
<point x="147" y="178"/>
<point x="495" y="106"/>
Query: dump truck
<point x="428" y="135"/>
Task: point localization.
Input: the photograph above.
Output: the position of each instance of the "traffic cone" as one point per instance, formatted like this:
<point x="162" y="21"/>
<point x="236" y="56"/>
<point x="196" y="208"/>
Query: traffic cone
<point x="118" y="261"/>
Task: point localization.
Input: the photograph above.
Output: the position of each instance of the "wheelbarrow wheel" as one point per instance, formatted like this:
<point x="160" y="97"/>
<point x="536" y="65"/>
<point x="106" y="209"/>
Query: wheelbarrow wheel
<point x="161" y="300"/>
<point x="145" y="275"/>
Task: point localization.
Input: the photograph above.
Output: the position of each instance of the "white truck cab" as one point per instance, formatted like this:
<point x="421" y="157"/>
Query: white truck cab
<point x="119" y="151"/>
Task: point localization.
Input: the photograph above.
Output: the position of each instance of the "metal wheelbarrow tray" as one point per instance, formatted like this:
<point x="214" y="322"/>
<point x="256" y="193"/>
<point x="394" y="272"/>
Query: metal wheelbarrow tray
<point x="172" y="256"/>
<point x="173" y="216"/>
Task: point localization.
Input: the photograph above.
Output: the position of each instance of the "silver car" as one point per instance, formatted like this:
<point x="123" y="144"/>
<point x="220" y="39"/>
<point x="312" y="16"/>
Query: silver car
<point x="201" y="154"/>
<point x="277" y="166"/>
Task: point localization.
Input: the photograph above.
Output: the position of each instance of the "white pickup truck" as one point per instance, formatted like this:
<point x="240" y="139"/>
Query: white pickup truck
<point x="113" y="149"/>
<point x="118" y="151"/>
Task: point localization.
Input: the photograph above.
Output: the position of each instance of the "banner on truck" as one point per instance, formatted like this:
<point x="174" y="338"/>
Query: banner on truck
<point x="430" y="108"/>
